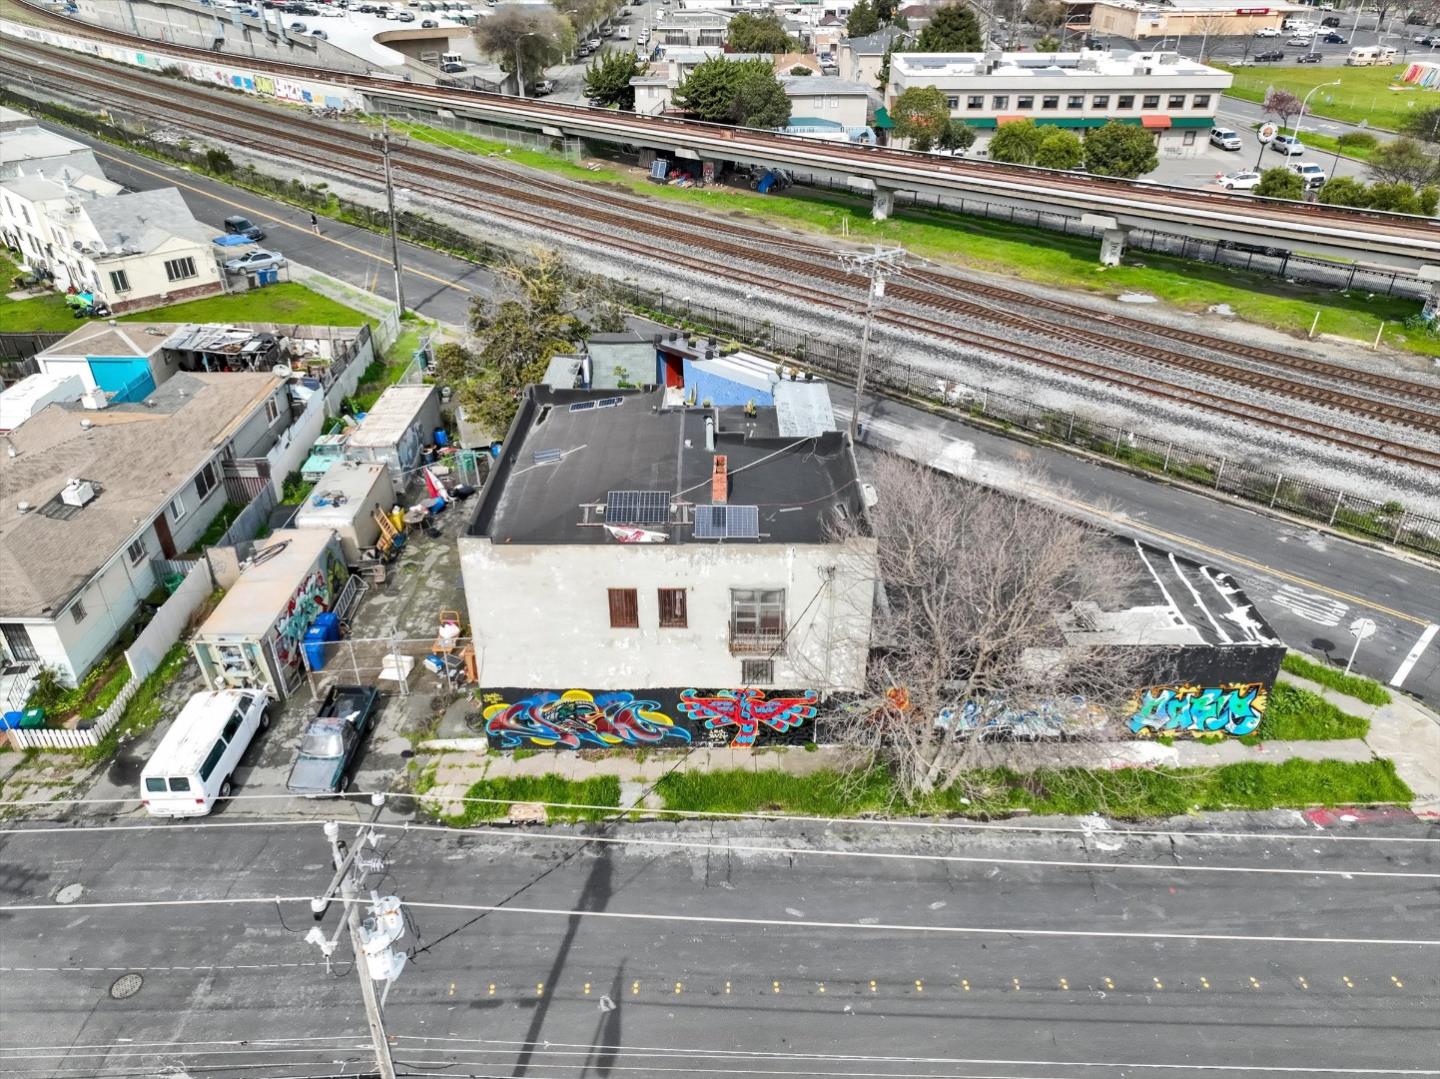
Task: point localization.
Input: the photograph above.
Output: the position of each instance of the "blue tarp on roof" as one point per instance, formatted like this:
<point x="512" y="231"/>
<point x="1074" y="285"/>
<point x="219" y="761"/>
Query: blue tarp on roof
<point x="233" y="239"/>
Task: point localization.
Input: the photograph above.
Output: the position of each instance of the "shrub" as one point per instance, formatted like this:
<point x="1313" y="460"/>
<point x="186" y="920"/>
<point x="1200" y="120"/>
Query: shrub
<point x="1357" y="140"/>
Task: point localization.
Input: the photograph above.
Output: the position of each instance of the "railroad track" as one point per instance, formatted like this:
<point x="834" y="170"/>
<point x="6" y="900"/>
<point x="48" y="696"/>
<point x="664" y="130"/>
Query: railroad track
<point x="543" y="212"/>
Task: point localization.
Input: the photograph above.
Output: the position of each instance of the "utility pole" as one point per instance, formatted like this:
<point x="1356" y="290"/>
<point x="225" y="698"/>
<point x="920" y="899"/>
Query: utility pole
<point x="370" y="939"/>
<point x="876" y="265"/>
<point x="382" y="140"/>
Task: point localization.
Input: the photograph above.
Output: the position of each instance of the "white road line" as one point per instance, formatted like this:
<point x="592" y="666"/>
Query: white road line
<point x="1311" y="605"/>
<point x="1403" y="670"/>
<point x="1174" y="610"/>
<point x="1175" y="565"/>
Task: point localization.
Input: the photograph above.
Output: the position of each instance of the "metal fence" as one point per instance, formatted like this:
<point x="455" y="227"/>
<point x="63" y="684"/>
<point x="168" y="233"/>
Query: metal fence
<point x="415" y="124"/>
<point x="254" y="517"/>
<point x="1389" y="521"/>
<point x="405" y="664"/>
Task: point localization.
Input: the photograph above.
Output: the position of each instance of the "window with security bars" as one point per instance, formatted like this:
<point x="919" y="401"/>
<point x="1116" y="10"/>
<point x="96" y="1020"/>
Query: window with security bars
<point x="672" y="609"/>
<point x="757" y="672"/>
<point x="624" y="608"/>
<point x="757" y="618"/>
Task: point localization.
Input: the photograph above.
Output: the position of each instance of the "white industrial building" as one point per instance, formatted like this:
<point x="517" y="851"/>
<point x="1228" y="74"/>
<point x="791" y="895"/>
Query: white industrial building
<point x="1163" y="92"/>
<point x="623" y="547"/>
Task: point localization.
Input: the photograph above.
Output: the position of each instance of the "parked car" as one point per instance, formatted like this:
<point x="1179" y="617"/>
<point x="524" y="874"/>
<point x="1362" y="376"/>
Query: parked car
<point x="1308" y="58"/>
<point x="321" y="34"/>
<point x="1267" y="31"/>
<point x="452" y="69"/>
<point x="1330" y="20"/>
<point x="429" y="24"/>
<point x="404" y="16"/>
<point x="543" y="87"/>
<point x="1224" y="138"/>
<point x="594" y="43"/>
<point x="1269" y="57"/>
<point x="243" y="226"/>
<point x="259" y="259"/>
<point x="1333" y="38"/>
<point x="1302" y="40"/>
<point x="332" y="741"/>
<point x="1311" y="173"/>
<point x="299" y="28"/>
<point x="1289" y="145"/>
<point x="1243" y="180"/>
<point x="195" y="762"/>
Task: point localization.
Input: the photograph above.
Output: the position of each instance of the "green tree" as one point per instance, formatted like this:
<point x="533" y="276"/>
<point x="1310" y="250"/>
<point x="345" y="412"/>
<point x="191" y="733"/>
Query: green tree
<point x="515" y="340"/>
<point x="1059" y="149"/>
<point x="1048" y="43"/>
<point x="862" y="21"/>
<point x="608" y="77"/>
<point x="744" y="92"/>
<point x="952" y="28"/>
<point x="758" y="33"/>
<point x="1399" y="198"/>
<point x="885" y="9"/>
<point x="540" y="34"/>
<point x="1345" y="191"/>
<point x="1120" y="150"/>
<point x="1404" y="161"/>
<point x="1016" y="142"/>
<point x="1045" y="14"/>
<point x="800" y="71"/>
<point x="958" y="135"/>
<point x="921" y="115"/>
<point x="1280" y="183"/>
<point x="1422" y="124"/>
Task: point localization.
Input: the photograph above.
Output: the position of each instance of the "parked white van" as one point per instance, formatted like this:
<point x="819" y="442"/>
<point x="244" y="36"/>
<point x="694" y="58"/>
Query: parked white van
<point x="195" y="762"/>
<point x="1369" y="55"/>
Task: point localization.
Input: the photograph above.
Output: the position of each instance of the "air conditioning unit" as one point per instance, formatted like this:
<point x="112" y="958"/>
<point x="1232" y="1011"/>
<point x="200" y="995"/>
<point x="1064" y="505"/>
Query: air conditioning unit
<point x="95" y="399"/>
<point x="78" y="493"/>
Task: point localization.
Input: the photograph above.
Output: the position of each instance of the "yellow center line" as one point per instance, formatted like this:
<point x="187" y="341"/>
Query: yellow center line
<point x="1259" y="567"/>
<point x="283" y="224"/>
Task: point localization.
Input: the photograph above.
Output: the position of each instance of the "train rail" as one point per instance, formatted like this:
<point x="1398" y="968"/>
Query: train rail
<point x="1356" y="229"/>
<point x="315" y="143"/>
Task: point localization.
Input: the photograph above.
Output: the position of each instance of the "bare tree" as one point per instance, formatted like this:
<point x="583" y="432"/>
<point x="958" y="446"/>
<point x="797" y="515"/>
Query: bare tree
<point x="540" y="36"/>
<point x="1209" y="27"/>
<point x="983" y="607"/>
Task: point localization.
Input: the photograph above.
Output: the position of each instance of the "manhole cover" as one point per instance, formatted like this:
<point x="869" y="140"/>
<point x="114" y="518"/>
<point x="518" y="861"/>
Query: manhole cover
<point x="127" y="985"/>
<point x="69" y="893"/>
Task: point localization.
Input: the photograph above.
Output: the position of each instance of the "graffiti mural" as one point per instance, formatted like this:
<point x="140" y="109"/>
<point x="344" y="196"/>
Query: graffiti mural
<point x="1230" y="708"/>
<point x="575" y="719"/>
<point x="997" y="719"/>
<point x="580" y="719"/>
<point x="747" y="710"/>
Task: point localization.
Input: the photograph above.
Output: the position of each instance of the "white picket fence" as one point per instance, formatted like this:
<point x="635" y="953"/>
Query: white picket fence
<point x="64" y="739"/>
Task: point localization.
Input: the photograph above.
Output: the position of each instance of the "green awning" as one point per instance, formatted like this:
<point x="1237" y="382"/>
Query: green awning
<point x="980" y="121"/>
<point x="882" y="119"/>
<point x="1068" y="121"/>
<point x="1192" y="121"/>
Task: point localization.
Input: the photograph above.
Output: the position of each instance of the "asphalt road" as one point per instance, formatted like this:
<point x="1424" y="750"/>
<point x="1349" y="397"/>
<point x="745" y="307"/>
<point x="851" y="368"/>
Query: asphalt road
<point x="1300" y="965"/>
<point x="1308" y="584"/>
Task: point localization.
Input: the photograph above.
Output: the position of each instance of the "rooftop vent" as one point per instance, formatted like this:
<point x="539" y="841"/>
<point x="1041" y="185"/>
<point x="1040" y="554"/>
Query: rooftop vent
<point x="77" y="493"/>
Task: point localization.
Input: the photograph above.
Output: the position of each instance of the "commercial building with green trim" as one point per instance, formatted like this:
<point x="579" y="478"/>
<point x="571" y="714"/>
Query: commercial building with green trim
<point x="1163" y="92"/>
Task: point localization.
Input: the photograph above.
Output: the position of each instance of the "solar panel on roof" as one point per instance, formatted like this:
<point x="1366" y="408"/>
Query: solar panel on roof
<point x="637" y="507"/>
<point x="610" y="402"/>
<point x="582" y="406"/>
<point x="727" y="522"/>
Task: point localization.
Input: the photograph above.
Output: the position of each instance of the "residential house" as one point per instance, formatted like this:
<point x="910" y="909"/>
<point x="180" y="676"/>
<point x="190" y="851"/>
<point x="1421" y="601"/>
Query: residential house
<point x="93" y="497"/>
<point x="706" y="595"/>
<point x="1163" y="92"/>
<point x="828" y="99"/>
<point x="131" y="249"/>
<point x="126" y="360"/>
<point x="27" y="149"/>
<point x="693" y="27"/>
<point x="860" y="58"/>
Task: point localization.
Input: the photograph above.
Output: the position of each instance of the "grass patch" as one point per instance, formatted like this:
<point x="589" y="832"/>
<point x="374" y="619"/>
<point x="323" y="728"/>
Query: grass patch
<point x="48" y="313"/>
<point x="597" y="791"/>
<point x="295" y="489"/>
<point x="1296" y="714"/>
<point x="144" y="709"/>
<point x="994" y="246"/>
<point x="386" y="371"/>
<point x="1124" y="793"/>
<point x="1352" y="685"/>
<point x="1364" y="93"/>
<point x="95" y="693"/>
<point x="283" y="302"/>
<point x="218" y="527"/>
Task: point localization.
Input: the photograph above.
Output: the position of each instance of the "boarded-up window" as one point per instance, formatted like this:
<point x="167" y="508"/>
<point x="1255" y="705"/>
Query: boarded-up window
<point x="624" y="608"/>
<point x="672" y="608"/>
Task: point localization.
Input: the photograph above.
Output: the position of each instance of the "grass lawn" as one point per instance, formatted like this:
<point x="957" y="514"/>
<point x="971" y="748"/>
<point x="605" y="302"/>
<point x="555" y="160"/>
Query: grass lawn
<point x="1298" y="714"/>
<point x="145" y="708"/>
<point x="598" y="791"/>
<point x="1017" y="251"/>
<point x="1352" y="685"/>
<point x="387" y="370"/>
<point x="1364" y="94"/>
<point x="1128" y="793"/>
<point x="283" y="302"/>
<point x="41" y="314"/>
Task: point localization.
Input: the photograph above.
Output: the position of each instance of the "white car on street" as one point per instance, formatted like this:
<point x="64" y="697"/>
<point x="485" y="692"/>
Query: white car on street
<point x="1242" y="180"/>
<point x="1267" y="31"/>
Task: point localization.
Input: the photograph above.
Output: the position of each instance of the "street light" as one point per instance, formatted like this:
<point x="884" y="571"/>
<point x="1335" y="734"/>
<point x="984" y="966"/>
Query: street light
<point x="1301" y="114"/>
<point x="520" y="75"/>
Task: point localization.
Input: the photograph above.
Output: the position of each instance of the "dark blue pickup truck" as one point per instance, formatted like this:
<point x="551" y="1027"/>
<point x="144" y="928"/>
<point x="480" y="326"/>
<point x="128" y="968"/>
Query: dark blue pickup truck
<point x="332" y="741"/>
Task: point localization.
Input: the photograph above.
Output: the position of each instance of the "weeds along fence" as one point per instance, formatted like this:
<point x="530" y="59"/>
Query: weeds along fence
<point x="1388" y="521"/>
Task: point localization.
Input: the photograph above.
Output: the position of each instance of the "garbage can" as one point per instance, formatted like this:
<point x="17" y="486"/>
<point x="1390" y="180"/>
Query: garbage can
<point x="315" y="639"/>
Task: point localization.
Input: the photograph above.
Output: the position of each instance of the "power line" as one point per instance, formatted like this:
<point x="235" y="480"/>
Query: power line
<point x="715" y="919"/>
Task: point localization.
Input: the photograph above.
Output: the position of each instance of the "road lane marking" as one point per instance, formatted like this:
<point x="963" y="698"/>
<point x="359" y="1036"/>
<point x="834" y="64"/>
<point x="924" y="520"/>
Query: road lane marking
<point x="1410" y="660"/>
<point x="1310" y="605"/>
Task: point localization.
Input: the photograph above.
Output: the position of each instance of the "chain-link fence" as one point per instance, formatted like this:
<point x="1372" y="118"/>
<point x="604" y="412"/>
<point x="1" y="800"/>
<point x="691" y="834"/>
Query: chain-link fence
<point x="405" y="665"/>
<point x="1389" y="520"/>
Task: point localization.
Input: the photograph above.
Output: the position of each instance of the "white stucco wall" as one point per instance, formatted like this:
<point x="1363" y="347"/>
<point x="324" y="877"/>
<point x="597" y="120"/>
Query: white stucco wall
<point x="541" y="619"/>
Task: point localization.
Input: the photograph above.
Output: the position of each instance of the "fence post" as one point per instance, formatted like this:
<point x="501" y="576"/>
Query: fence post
<point x="1400" y="524"/>
<point x="1070" y="431"/>
<point x="1219" y="472"/>
<point x="1279" y="478"/>
<point x="1169" y="449"/>
<point x="1119" y="434"/>
<point x="1339" y="499"/>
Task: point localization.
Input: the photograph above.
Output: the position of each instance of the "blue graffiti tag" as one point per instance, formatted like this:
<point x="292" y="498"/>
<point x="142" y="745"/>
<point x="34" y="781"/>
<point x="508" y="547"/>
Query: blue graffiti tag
<point x="1232" y="708"/>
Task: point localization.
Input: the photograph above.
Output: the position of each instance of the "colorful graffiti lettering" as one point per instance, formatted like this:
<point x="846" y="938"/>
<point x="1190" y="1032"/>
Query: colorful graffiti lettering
<point x="1232" y="708"/>
<point x="997" y="719"/>
<point x="748" y="710"/>
<point x="575" y="718"/>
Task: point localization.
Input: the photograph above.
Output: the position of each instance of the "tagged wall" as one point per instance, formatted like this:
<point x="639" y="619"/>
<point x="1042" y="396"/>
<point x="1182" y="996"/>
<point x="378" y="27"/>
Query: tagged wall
<point x="579" y="719"/>
<point x="1211" y="690"/>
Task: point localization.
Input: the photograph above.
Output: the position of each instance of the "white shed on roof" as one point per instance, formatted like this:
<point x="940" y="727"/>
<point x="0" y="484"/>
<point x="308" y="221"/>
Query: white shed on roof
<point x="34" y="392"/>
<point x="395" y="431"/>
